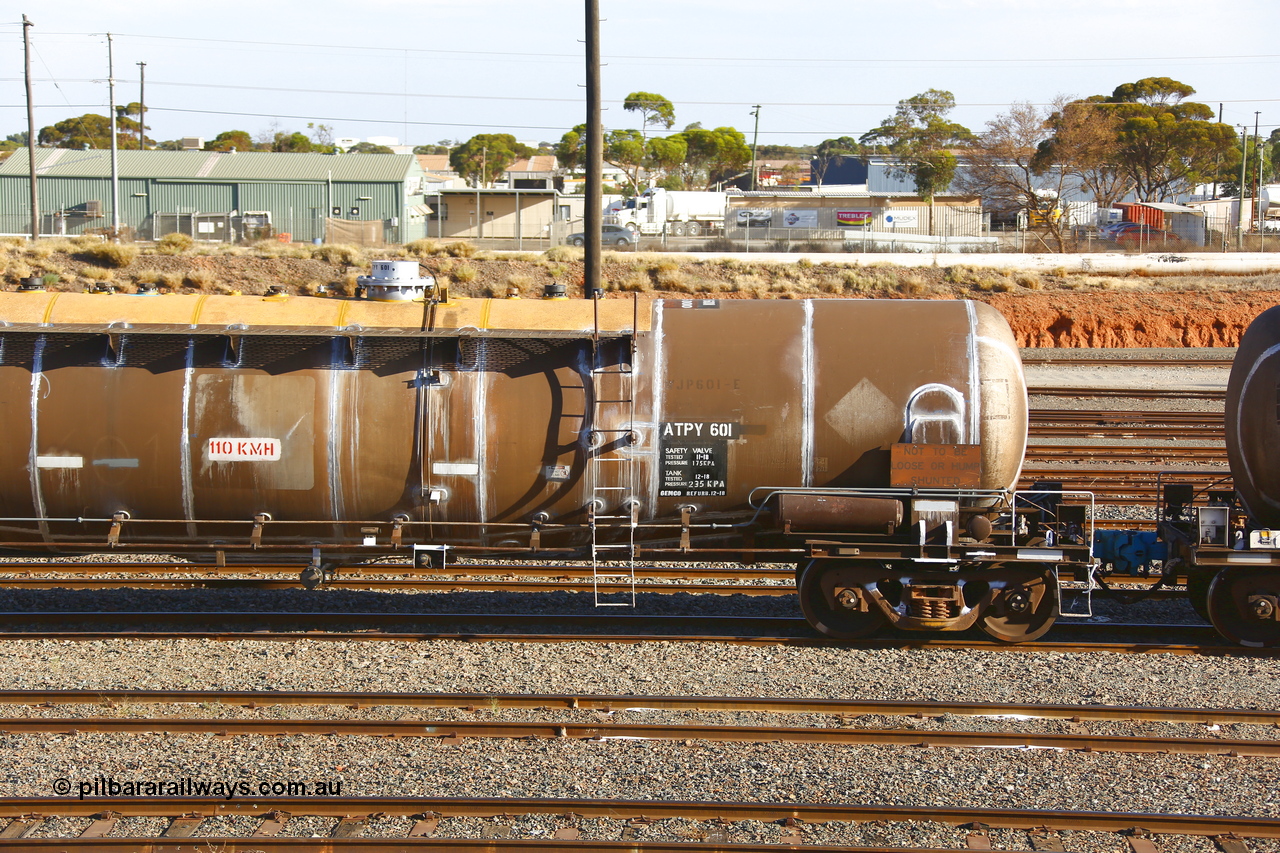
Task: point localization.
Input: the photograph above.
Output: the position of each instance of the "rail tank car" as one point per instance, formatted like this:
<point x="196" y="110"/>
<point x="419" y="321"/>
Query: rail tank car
<point x="1229" y="540"/>
<point x="874" y="444"/>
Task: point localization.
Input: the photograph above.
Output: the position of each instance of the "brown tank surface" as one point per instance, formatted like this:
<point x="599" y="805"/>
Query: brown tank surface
<point x="1252" y="415"/>
<point x="611" y="428"/>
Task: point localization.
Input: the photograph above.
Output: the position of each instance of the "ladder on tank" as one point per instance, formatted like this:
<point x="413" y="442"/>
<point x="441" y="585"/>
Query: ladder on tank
<point x="612" y="391"/>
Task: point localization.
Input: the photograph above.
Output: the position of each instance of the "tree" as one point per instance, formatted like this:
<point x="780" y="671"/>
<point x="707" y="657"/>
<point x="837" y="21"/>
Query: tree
<point x="1001" y="167"/>
<point x="295" y="143"/>
<point x="1165" y="144"/>
<point x="1084" y="146"/>
<point x="917" y="136"/>
<point x="485" y="156"/>
<point x="571" y="150"/>
<point x="321" y="138"/>
<point x="626" y="148"/>
<point x="831" y="152"/>
<point x="90" y="130"/>
<point x="432" y="149"/>
<point x="655" y="110"/>
<point x="369" y="148"/>
<point x="665" y="157"/>
<point x="230" y="140"/>
<point x="713" y="156"/>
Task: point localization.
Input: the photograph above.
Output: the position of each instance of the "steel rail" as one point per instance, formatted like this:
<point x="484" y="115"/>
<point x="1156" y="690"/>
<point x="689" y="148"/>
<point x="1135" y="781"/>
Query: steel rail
<point x="1082" y="360"/>
<point x="343" y="807"/>
<point x="688" y="570"/>
<point x="1077" y="391"/>
<point x="1124" y="416"/>
<point x="491" y="729"/>
<point x="522" y="586"/>
<point x="1209" y="647"/>
<point x="219" y="844"/>
<point x="609" y="703"/>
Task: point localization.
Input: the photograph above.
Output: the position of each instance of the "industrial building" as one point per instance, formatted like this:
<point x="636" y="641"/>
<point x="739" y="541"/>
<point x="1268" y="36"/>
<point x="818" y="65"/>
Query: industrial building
<point x="220" y="196"/>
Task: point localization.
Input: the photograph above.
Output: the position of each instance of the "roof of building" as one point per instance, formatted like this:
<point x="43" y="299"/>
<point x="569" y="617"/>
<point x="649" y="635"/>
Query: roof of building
<point x="1166" y="208"/>
<point x="214" y="165"/>
<point x="536" y="163"/>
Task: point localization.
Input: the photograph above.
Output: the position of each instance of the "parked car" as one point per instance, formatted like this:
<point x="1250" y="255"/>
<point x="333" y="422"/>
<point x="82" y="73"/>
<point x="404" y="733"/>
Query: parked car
<point x="610" y="235"/>
<point x="1112" y="229"/>
<point x="1144" y="235"/>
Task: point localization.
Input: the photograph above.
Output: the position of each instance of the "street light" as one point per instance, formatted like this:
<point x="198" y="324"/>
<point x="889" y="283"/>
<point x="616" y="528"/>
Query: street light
<point x="755" y="137"/>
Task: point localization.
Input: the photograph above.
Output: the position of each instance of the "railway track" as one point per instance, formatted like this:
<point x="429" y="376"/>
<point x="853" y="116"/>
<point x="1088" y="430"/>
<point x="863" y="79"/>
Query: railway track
<point x="1140" y="638"/>
<point x="1091" y="391"/>
<point x="1223" y="361"/>
<point x="427" y="813"/>
<point x="844" y="734"/>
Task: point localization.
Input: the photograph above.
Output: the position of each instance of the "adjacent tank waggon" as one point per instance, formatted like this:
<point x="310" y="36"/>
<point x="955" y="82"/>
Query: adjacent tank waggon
<point x="875" y="444"/>
<point x="1228" y="540"/>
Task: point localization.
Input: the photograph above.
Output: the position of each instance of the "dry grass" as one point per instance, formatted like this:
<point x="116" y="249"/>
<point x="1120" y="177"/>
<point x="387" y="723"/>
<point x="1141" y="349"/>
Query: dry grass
<point x="114" y="255"/>
<point x="148" y="277"/>
<point x="564" y="254"/>
<point x="521" y="283"/>
<point x="174" y="243"/>
<point x="98" y="273"/>
<point x="465" y="274"/>
<point x="200" y="280"/>
<point x="339" y="253"/>
<point x="460" y="249"/>
<point x="671" y="278"/>
<point x="424" y="248"/>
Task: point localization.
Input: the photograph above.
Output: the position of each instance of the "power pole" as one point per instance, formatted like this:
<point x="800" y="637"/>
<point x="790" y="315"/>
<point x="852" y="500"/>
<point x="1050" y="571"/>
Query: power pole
<point x="1244" y="160"/>
<point x="1256" y="210"/>
<point x="142" y="106"/>
<point x="593" y="219"/>
<point x="755" y="137"/>
<point x="1218" y="161"/>
<point x="31" y="130"/>
<point x="115" y="166"/>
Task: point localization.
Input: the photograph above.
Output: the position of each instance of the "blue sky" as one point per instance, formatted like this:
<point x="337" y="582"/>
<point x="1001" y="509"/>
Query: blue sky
<point x="429" y="70"/>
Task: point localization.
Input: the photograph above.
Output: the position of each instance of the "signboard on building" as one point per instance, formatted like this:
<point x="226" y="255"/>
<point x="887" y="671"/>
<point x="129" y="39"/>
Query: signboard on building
<point x="807" y="218"/>
<point x="854" y="217"/>
<point x="903" y="219"/>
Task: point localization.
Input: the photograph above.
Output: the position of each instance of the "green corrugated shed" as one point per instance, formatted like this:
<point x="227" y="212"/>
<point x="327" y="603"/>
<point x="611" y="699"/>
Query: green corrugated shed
<point x="208" y="193"/>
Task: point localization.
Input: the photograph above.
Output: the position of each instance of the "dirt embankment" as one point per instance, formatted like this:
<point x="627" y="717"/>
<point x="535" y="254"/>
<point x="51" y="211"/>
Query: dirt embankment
<point x="1129" y="319"/>
<point x="1044" y="309"/>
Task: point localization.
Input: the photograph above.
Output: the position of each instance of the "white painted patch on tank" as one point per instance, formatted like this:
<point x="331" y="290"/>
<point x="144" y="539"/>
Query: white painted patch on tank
<point x="37" y="380"/>
<point x="60" y="462"/>
<point x="184" y="446"/>
<point x="335" y="440"/>
<point x="807" y="383"/>
<point x="455" y="469"/>
<point x="1239" y="439"/>
<point x="658" y="387"/>
<point x="975" y="374"/>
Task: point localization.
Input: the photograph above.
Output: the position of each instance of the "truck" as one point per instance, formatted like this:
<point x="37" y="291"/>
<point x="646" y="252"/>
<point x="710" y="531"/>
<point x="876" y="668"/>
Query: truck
<point x="674" y="212"/>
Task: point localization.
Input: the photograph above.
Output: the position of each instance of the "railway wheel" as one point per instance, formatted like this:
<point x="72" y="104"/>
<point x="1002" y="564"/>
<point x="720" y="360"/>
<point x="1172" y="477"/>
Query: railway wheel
<point x="831" y="604"/>
<point x="1198" y="581"/>
<point x="1025" y="608"/>
<point x="1244" y="605"/>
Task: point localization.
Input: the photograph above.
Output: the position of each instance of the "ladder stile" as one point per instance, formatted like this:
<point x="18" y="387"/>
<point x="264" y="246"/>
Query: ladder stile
<point x="610" y="475"/>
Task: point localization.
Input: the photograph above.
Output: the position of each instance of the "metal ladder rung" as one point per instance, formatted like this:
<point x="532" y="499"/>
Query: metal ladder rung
<point x="611" y="547"/>
<point x="613" y="604"/>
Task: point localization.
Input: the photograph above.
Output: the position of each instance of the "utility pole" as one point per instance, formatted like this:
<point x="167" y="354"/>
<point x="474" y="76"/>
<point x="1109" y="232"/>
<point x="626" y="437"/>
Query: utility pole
<point x="115" y="166"/>
<point x="593" y="218"/>
<point x="1244" y="160"/>
<point x="142" y="106"/>
<point x="755" y="137"/>
<point x="1218" y="160"/>
<point x="31" y="130"/>
<point x="1256" y="208"/>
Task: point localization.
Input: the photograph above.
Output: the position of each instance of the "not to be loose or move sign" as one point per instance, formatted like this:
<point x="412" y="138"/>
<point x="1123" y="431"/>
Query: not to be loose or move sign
<point x="935" y="466"/>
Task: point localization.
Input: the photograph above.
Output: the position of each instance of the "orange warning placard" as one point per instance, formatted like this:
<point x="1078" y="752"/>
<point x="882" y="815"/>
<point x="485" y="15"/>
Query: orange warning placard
<point x="935" y="466"/>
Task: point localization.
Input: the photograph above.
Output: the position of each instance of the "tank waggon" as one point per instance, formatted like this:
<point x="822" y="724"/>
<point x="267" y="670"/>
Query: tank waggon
<point x="875" y="444"/>
<point x="1228" y="539"/>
